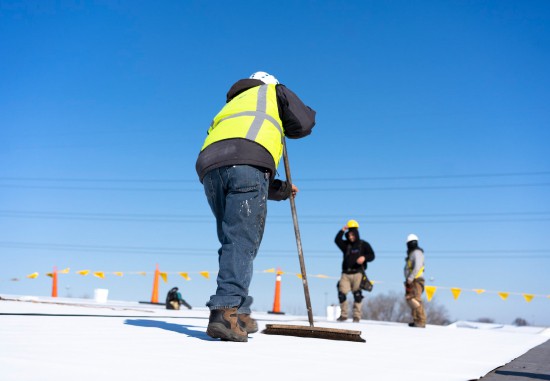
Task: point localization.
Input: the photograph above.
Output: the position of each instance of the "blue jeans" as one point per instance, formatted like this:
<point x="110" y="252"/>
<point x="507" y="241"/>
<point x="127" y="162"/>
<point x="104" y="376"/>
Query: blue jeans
<point x="237" y="196"/>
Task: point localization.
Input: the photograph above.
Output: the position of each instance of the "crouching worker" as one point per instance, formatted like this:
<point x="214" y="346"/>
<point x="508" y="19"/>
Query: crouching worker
<point x="174" y="300"/>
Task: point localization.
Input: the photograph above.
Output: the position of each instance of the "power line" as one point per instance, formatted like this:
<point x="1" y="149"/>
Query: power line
<point x="158" y="185"/>
<point x="369" y="178"/>
<point x="291" y="253"/>
<point x="307" y="219"/>
<point x="426" y="187"/>
<point x="451" y="218"/>
<point x="54" y="187"/>
<point x="425" y="177"/>
<point x="96" y="180"/>
<point x="143" y="215"/>
<point x="324" y="189"/>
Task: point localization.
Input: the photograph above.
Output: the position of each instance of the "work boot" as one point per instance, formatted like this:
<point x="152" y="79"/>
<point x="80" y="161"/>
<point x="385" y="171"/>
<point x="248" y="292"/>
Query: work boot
<point x="223" y="324"/>
<point x="341" y="318"/>
<point x="416" y="325"/>
<point x="356" y="320"/>
<point x="247" y="323"/>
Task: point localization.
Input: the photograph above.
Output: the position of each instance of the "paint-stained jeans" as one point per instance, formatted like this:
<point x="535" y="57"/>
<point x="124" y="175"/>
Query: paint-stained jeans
<point x="237" y="196"/>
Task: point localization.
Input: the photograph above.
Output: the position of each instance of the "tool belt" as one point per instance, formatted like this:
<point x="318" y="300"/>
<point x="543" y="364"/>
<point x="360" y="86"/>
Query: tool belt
<point x="351" y="271"/>
<point x="365" y="284"/>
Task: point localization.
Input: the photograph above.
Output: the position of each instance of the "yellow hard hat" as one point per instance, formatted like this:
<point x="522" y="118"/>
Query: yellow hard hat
<point x="352" y="224"/>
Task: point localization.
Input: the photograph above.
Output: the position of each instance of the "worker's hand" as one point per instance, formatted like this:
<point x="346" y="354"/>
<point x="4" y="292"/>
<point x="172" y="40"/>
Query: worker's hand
<point x="294" y="190"/>
<point x="360" y="260"/>
<point x="345" y="228"/>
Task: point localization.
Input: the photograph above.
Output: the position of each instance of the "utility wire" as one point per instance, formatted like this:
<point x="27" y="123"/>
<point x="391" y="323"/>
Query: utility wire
<point x="283" y="253"/>
<point x="407" y="177"/>
<point x="96" y="180"/>
<point x="315" y="216"/>
<point x="425" y="177"/>
<point x="425" y="187"/>
<point x="278" y="219"/>
<point x="324" y="189"/>
<point x="156" y="185"/>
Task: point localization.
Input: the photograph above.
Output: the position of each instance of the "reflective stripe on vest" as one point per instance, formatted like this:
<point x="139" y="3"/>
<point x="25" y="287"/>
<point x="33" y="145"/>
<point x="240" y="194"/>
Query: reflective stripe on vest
<point x="420" y="272"/>
<point x="252" y="115"/>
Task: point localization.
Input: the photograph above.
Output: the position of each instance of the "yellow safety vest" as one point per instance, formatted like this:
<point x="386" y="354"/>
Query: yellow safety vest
<point x="410" y="266"/>
<point x="252" y="115"/>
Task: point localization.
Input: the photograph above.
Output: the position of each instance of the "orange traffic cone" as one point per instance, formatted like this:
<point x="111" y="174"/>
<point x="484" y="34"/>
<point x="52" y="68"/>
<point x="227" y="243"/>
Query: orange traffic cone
<point x="54" y="283"/>
<point x="155" y="295"/>
<point x="277" y="300"/>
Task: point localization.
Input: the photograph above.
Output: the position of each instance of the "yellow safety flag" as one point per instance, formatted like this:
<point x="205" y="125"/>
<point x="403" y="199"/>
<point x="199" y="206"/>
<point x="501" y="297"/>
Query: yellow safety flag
<point x="83" y="272"/>
<point x="32" y="276"/>
<point x="430" y="291"/>
<point x="99" y="274"/>
<point x="143" y="273"/>
<point x="528" y="297"/>
<point x="118" y="273"/>
<point x="479" y="290"/>
<point x="504" y="295"/>
<point x="269" y="271"/>
<point x="65" y="271"/>
<point x="185" y="276"/>
<point x="164" y="277"/>
<point x="205" y="274"/>
<point x="322" y="276"/>
<point x="50" y="275"/>
<point x="456" y="292"/>
<point x="299" y="276"/>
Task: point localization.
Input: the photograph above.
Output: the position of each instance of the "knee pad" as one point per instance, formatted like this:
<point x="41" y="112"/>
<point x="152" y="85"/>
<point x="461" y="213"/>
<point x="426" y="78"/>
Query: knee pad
<point x="341" y="297"/>
<point x="358" y="296"/>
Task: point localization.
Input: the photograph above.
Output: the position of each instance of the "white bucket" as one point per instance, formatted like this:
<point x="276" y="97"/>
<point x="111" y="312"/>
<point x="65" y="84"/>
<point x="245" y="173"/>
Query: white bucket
<point x="100" y="295"/>
<point x="333" y="312"/>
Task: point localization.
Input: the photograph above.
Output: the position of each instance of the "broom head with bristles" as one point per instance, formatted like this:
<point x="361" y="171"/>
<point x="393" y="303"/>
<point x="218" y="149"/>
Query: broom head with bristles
<point x="313" y="332"/>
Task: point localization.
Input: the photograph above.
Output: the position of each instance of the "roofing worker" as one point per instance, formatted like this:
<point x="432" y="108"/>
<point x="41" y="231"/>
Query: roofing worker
<point x="174" y="300"/>
<point x="414" y="282"/>
<point x="356" y="254"/>
<point x="237" y="166"/>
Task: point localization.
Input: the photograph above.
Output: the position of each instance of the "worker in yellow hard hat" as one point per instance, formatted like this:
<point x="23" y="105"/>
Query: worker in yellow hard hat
<point x="356" y="253"/>
<point x="352" y="224"/>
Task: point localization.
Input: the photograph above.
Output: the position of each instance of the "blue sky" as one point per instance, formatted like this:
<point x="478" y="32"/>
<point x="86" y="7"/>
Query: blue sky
<point x="432" y="118"/>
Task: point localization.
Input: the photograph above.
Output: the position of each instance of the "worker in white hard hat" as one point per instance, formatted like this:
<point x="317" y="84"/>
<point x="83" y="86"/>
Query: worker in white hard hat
<point x="356" y="253"/>
<point x="237" y="166"/>
<point x="414" y="281"/>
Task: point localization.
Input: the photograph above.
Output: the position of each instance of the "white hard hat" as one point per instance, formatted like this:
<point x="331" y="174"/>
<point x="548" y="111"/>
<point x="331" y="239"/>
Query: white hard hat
<point x="266" y="78"/>
<point x="412" y="237"/>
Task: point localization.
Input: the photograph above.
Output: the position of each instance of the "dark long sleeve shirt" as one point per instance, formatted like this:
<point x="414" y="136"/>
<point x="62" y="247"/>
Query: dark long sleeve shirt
<point x="352" y="251"/>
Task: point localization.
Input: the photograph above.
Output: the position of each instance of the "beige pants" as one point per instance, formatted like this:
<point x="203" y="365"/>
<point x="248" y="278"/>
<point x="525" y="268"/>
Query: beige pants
<point x="413" y="295"/>
<point x="350" y="283"/>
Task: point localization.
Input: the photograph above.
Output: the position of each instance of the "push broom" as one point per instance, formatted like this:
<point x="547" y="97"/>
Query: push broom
<point x="299" y="330"/>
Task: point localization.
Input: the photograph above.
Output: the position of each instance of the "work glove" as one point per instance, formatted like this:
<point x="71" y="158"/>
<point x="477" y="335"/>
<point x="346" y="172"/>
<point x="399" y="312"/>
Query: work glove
<point x="279" y="190"/>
